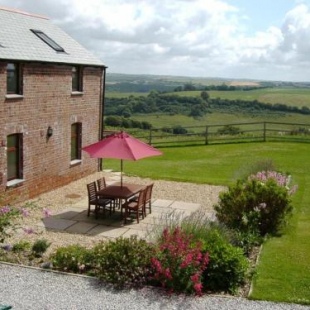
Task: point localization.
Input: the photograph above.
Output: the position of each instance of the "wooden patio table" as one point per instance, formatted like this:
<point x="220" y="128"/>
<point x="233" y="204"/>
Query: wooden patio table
<point x="116" y="191"/>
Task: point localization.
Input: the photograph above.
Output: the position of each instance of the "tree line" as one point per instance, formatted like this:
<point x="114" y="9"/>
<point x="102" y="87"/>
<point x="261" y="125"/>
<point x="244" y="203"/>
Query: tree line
<point x="195" y="106"/>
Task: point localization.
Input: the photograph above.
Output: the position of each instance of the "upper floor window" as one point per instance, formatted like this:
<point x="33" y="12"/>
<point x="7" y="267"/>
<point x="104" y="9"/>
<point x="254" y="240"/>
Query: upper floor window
<point x="14" y="157"/>
<point x="14" y="78"/>
<point x="76" y="141"/>
<point x="77" y="79"/>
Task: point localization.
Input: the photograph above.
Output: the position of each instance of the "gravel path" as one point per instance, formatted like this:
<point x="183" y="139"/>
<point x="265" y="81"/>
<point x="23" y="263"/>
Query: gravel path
<point x="27" y="288"/>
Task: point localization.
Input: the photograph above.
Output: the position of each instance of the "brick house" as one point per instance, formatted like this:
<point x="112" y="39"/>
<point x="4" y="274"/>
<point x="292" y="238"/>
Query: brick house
<point x="51" y="105"/>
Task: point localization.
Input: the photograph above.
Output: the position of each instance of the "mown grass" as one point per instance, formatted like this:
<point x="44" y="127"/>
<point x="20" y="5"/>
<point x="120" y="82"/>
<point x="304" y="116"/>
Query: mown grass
<point x="283" y="272"/>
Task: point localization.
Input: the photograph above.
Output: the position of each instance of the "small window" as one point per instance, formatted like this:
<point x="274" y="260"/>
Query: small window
<point x="48" y="40"/>
<point x="14" y="77"/>
<point x="14" y="157"/>
<point x="77" y="79"/>
<point x="76" y="141"/>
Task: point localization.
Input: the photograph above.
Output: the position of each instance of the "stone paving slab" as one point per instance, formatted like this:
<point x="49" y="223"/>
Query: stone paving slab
<point x="56" y="223"/>
<point x="81" y="227"/>
<point x="68" y="214"/>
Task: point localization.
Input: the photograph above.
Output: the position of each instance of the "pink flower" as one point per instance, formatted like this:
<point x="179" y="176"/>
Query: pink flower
<point x="198" y="288"/>
<point x="195" y="278"/>
<point x="24" y="212"/>
<point x="28" y="230"/>
<point x="47" y="212"/>
<point x="168" y="274"/>
<point x="5" y="209"/>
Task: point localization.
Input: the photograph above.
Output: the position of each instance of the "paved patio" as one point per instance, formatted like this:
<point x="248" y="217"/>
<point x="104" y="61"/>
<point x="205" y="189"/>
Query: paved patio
<point x="74" y="219"/>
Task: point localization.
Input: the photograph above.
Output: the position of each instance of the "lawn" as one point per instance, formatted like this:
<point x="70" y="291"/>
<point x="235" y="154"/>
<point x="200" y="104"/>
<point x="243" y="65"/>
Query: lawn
<point x="283" y="272"/>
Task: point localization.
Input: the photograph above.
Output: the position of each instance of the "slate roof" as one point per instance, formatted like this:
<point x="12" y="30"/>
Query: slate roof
<point x="19" y="43"/>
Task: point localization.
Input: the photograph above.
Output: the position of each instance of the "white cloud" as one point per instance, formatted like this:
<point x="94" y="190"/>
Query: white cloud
<point x="187" y="37"/>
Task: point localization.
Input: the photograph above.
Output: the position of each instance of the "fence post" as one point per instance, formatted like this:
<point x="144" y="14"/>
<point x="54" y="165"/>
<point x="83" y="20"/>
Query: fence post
<point x="264" y="134"/>
<point x="206" y="134"/>
<point x="150" y="137"/>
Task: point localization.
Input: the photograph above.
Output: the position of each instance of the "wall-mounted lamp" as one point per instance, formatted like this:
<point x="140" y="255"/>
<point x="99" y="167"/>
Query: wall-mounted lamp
<point x="49" y="131"/>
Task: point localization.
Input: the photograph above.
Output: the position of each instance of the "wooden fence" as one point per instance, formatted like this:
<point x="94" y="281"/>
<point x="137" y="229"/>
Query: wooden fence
<point x="224" y="133"/>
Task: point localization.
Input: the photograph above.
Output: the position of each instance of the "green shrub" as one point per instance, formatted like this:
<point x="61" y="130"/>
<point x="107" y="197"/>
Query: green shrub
<point x="123" y="262"/>
<point x="255" y="206"/>
<point x="21" y="246"/>
<point x="227" y="268"/>
<point x="247" y="241"/>
<point x="39" y="247"/>
<point x="72" y="258"/>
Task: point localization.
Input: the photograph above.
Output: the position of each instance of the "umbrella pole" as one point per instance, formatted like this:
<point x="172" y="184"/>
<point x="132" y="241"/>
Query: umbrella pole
<point x="121" y="173"/>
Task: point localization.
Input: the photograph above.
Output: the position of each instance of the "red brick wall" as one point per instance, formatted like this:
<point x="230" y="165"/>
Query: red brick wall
<point x="47" y="101"/>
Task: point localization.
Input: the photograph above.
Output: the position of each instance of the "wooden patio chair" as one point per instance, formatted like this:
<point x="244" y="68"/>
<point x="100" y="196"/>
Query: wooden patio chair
<point x="101" y="184"/>
<point x="148" y="198"/>
<point x="135" y="206"/>
<point x="94" y="200"/>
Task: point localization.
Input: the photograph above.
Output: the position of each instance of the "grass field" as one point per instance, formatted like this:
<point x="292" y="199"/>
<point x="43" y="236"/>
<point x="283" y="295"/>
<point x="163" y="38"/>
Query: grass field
<point x="290" y="96"/>
<point x="283" y="272"/>
<point x="216" y="118"/>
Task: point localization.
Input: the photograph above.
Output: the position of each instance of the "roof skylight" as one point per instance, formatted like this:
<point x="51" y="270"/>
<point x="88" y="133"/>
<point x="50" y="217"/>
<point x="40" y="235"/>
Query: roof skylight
<point x="48" y="40"/>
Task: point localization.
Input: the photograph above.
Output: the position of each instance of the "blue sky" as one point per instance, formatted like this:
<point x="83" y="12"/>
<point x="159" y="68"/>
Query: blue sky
<point x="241" y="39"/>
<point x="264" y="13"/>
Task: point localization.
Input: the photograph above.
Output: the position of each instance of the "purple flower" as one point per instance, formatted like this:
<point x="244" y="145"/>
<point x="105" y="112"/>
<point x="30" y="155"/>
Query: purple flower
<point x="5" y="209"/>
<point x="7" y="247"/>
<point x="28" y="230"/>
<point x="47" y="212"/>
<point x="24" y="212"/>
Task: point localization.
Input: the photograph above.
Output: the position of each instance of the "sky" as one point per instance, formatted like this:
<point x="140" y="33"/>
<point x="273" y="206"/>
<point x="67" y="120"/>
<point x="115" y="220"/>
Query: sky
<point x="233" y="39"/>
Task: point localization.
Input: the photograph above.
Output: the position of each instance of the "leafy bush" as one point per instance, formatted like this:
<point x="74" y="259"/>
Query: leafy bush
<point x="227" y="268"/>
<point x="229" y="130"/>
<point x="7" y="216"/>
<point x="124" y="262"/>
<point x="40" y="246"/>
<point x="72" y="258"/>
<point x="21" y="246"/>
<point x="179" y="262"/>
<point x="259" y="205"/>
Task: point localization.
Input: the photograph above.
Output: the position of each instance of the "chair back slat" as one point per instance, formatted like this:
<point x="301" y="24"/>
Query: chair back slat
<point x="101" y="183"/>
<point x="92" y="191"/>
<point x="141" y="198"/>
<point x="148" y="194"/>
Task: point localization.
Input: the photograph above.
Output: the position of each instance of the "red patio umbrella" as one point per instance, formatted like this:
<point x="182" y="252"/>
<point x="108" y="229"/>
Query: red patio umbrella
<point x="121" y="146"/>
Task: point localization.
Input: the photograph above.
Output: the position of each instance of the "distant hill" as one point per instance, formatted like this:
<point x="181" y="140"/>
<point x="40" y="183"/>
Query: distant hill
<point x="117" y="82"/>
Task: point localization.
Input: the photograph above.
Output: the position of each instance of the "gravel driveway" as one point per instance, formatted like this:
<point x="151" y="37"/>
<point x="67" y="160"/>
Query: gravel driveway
<point x="27" y="288"/>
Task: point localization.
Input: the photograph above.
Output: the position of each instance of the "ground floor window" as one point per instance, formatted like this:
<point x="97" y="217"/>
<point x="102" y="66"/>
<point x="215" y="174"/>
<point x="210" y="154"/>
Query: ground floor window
<point x="76" y="141"/>
<point x="14" y="157"/>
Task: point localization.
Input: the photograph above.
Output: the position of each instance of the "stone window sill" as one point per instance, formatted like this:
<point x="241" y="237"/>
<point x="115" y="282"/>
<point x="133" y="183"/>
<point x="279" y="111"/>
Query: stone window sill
<point x="75" y="162"/>
<point x="77" y="93"/>
<point x="14" y="96"/>
<point x="14" y="182"/>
